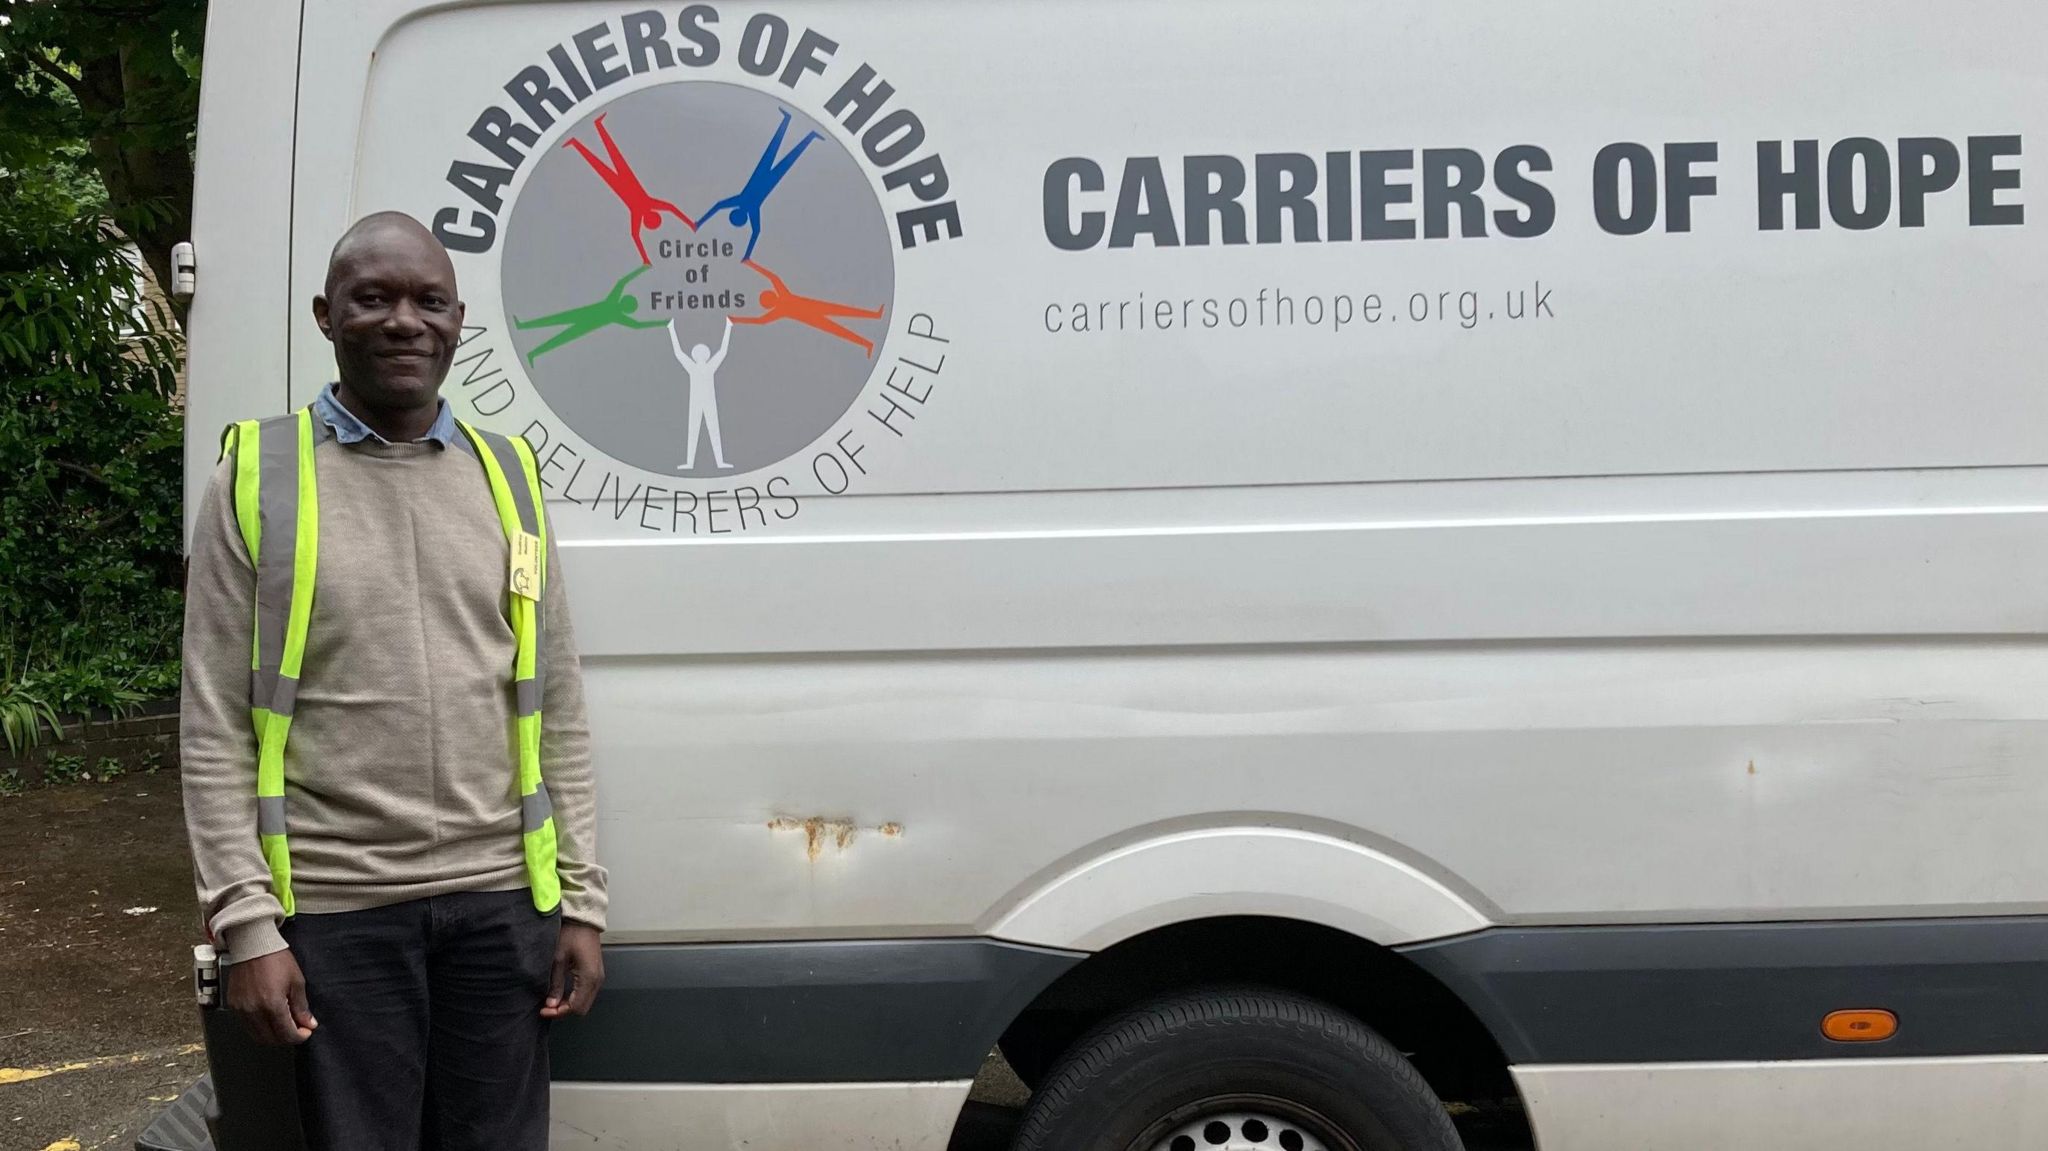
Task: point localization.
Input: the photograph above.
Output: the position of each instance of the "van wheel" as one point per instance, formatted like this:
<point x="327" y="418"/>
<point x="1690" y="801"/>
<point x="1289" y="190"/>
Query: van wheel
<point x="1235" y="1070"/>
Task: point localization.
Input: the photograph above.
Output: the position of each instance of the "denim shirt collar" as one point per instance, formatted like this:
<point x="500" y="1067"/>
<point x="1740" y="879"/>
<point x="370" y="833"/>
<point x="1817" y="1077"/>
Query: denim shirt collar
<point x="350" y="430"/>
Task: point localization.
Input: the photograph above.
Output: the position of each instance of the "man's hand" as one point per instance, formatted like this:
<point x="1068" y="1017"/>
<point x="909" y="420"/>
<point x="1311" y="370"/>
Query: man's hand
<point x="270" y="995"/>
<point x="579" y="964"/>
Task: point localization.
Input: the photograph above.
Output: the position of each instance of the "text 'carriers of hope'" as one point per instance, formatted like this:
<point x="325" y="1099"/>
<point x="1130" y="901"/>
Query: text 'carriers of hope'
<point x="1857" y="185"/>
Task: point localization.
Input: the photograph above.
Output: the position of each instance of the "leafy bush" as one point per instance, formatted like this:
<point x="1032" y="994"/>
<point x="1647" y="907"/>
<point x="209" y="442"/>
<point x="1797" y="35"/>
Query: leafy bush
<point x="90" y="445"/>
<point x="24" y="709"/>
<point x="62" y="769"/>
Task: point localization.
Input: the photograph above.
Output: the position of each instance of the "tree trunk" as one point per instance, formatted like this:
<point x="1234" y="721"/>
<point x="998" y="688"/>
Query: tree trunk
<point x="145" y="164"/>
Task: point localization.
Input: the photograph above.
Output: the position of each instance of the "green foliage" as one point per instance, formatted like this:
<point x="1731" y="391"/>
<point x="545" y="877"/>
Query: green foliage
<point x="103" y="96"/>
<point x="62" y="769"/>
<point x="81" y="685"/>
<point x="109" y="769"/>
<point x="23" y="715"/>
<point x="90" y="444"/>
<point x="65" y="186"/>
<point x="24" y="710"/>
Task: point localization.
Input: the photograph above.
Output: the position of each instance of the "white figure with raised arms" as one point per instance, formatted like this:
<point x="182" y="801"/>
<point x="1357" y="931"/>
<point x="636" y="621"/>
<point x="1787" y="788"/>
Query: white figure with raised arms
<point x="702" y="365"/>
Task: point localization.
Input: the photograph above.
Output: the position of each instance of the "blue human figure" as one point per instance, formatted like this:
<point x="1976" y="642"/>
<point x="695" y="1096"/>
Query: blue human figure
<point x="745" y="205"/>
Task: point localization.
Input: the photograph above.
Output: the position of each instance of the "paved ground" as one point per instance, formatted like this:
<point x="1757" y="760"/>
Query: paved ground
<point x="98" y="1030"/>
<point x="96" y="929"/>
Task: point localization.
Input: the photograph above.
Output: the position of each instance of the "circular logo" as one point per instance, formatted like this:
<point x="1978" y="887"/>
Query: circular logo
<point x="697" y="279"/>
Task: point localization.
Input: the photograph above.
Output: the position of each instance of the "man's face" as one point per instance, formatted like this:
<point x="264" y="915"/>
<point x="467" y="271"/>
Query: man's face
<point x="393" y="316"/>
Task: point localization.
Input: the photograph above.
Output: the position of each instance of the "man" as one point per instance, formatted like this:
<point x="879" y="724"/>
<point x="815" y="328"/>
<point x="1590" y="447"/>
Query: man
<point x="389" y="905"/>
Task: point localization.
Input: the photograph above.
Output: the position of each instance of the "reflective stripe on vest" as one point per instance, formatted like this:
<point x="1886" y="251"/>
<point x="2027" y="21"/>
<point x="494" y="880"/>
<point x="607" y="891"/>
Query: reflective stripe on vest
<point x="515" y="489"/>
<point x="277" y="507"/>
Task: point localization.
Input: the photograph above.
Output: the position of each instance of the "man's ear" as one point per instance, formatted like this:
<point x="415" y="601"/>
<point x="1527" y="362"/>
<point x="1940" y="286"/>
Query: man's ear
<point x="461" y="313"/>
<point x="321" y="317"/>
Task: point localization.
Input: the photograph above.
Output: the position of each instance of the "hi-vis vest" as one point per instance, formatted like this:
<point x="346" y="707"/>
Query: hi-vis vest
<point x="277" y="506"/>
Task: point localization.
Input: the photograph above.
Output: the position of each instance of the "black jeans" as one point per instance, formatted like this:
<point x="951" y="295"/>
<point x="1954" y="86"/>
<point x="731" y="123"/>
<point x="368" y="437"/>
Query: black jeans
<point x="430" y="1035"/>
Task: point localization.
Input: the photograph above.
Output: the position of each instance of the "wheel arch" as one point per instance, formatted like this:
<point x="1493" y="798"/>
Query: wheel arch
<point x="1109" y="893"/>
<point x="1410" y="1007"/>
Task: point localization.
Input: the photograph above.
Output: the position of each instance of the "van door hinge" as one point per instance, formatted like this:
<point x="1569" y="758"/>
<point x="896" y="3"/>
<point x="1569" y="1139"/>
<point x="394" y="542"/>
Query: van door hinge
<point x="184" y="270"/>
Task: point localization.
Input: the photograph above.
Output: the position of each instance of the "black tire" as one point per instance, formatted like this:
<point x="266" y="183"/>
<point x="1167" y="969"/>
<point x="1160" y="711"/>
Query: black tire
<point x="1139" y="1077"/>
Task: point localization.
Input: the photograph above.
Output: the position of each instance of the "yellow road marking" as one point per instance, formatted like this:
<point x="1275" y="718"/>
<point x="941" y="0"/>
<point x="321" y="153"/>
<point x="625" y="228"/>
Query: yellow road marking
<point x="25" y="1074"/>
<point x="61" y="1144"/>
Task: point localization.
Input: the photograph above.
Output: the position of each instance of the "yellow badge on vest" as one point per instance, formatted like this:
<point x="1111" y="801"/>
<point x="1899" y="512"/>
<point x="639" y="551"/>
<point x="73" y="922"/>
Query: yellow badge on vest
<point x="525" y="578"/>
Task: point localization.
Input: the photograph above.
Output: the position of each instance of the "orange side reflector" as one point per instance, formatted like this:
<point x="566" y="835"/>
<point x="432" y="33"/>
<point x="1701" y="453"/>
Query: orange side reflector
<point x="1860" y="1026"/>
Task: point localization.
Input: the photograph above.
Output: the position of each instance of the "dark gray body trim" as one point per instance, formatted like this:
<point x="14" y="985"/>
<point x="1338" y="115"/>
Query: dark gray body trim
<point x="860" y="1011"/>
<point x="1751" y="991"/>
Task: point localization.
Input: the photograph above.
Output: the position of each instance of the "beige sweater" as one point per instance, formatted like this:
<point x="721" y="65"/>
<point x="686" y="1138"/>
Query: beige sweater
<point x="401" y="778"/>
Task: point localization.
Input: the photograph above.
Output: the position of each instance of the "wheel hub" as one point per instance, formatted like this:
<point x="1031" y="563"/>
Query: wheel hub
<point x="1240" y="1131"/>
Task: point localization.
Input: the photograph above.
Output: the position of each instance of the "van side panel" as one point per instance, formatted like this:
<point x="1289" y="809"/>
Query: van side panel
<point x="694" y="1117"/>
<point x="241" y="320"/>
<point x="1571" y="783"/>
<point x="1712" y="582"/>
<point x="1861" y="1105"/>
<point x="1653" y="542"/>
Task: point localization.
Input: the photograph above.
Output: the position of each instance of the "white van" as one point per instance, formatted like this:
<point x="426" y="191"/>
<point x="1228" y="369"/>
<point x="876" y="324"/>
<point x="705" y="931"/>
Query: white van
<point x="1296" y="569"/>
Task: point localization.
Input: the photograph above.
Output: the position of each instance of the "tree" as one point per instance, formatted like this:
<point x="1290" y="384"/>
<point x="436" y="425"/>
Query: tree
<point x="90" y="445"/>
<point x="110" y="88"/>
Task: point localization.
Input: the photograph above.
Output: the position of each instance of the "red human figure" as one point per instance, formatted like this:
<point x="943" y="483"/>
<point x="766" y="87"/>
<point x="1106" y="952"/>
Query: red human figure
<point x="783" y="304"/>
<point x="627" y="187"/>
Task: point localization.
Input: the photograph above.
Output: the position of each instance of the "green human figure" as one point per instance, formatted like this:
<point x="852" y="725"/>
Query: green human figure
<point x="576" y="323"/>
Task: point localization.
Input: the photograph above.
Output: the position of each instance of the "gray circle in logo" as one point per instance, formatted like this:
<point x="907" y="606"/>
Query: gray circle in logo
<point x="628" y="353"/>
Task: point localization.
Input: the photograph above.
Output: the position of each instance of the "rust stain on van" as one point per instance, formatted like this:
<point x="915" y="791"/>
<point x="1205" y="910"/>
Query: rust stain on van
<point x="819" y="830"/>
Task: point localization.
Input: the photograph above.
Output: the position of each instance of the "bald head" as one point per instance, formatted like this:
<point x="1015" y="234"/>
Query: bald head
<point x="391" y="310"/>
<point x="383" y="231"/>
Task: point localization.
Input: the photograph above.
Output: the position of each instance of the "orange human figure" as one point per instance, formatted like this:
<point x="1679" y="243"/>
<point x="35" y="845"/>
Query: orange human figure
<point x="783" y="304"/>
<point x="627" y="187"/>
